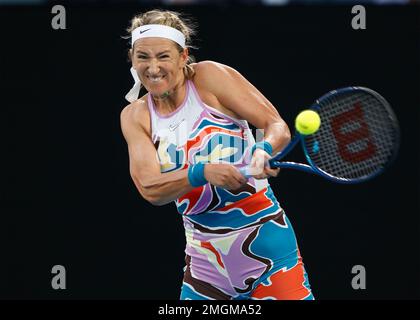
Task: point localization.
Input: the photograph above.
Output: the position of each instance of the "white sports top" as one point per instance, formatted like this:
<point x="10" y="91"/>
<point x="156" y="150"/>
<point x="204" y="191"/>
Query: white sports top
<point x="196" y="132"/>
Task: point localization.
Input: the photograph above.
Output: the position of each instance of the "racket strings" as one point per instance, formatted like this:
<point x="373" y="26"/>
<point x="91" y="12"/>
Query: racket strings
<point x="357" y="137"/>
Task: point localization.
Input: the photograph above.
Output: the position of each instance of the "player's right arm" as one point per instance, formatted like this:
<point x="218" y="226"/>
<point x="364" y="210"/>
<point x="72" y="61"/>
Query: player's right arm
<point x="156" y="187"/>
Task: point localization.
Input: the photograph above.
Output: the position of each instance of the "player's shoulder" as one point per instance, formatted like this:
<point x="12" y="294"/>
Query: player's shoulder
<point x="209" y="67"/>
<point x="136" y="113"/>
<point x="211" y="74"/>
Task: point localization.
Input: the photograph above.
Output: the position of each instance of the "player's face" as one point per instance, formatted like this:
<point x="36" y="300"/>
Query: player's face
<point x="159" y="64"/>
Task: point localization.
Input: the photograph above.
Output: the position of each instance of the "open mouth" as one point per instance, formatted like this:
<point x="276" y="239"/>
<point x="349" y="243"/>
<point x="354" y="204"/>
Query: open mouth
<point x="155" y="79"/>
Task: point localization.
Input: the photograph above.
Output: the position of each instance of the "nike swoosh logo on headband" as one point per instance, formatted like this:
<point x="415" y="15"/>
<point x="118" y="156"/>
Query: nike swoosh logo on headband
<point x="144" y="30"/>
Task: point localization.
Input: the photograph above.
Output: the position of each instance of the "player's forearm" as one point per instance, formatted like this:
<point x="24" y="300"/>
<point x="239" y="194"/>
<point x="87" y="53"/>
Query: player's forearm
<point x="164" y="188"/>
<point x="278" y="135"/>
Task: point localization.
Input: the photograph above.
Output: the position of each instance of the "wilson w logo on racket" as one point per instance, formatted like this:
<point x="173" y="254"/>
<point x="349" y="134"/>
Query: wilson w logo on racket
<point x="358" y="137"/>
<point x="353" y="136"/>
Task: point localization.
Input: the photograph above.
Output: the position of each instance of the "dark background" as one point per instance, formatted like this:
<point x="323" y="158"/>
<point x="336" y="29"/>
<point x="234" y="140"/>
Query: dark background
<point x="67" y="197"/>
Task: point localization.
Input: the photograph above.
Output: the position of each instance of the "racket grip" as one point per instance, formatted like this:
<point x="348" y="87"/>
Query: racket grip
<point x="245" y="172"/>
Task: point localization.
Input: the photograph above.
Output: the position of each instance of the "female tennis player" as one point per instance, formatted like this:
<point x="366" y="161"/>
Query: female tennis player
<point x="187" y="137"/>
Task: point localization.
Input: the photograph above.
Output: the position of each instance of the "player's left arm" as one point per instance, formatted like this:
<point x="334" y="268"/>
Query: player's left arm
<point x="238" y="95"/>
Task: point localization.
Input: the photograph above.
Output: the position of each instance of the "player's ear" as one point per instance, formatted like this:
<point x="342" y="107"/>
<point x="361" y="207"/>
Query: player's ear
<point x="184" y="55"/>
<point x="130" y="55"/>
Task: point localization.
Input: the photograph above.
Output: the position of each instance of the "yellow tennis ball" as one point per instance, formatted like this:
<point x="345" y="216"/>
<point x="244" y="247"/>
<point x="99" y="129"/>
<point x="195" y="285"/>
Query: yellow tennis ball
<point x="307" y="122"/>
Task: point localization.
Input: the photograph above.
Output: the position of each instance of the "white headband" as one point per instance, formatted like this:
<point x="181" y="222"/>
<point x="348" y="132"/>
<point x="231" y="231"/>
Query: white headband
<point x="159" y="31"/>
<point x="149" y="31"/>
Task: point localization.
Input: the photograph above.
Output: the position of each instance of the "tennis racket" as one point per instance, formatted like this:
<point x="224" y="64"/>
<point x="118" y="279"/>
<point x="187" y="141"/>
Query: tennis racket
<point x="357" y="140"/>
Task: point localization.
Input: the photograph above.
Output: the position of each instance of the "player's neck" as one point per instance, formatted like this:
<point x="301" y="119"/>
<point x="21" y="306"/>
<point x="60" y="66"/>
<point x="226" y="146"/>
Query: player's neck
<point x="172" y="99"/>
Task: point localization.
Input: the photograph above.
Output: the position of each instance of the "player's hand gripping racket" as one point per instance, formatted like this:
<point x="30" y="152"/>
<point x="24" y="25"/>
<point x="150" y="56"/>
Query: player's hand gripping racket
<point x="357" y="139"/>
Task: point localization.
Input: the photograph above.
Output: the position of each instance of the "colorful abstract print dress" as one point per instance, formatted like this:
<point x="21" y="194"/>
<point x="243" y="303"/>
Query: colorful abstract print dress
<point x="240" y="244"/>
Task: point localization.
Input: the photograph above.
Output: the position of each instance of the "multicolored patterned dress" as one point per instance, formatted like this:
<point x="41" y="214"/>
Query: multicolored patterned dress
<point x="239" y="244"/>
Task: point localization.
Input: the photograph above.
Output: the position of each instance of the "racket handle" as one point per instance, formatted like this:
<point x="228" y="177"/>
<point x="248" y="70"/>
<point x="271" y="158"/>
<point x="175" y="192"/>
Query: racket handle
<point x="245" y="172"/>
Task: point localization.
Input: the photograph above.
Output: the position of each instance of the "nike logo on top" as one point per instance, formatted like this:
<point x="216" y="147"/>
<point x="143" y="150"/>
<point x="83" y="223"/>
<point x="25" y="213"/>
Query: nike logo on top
<point x="142" y="31"/>
<point x="172" y="127"/>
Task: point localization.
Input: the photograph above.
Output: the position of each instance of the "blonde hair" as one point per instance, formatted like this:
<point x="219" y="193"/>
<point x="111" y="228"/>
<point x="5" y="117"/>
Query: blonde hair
<point x="172" y="19"/>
